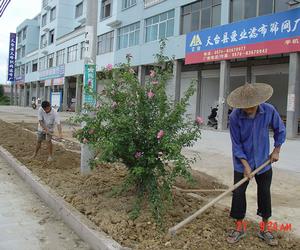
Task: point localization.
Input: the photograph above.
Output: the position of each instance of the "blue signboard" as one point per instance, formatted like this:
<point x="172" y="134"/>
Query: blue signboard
<point x="11" y="58"/>
<point x="265" y="35"/>
<point x="55" y="72"/>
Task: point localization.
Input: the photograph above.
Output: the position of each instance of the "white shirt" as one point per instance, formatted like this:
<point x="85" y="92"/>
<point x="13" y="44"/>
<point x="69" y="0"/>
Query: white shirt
<point x="49" y="119"/>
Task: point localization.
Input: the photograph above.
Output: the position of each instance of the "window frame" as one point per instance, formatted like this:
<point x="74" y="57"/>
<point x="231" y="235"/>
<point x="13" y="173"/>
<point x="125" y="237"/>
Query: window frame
<point x="108" y="40"/>
<point x="121" y="32"/>
<point x="43" y="38"/>
<point x="34" y="62"/>
<point x="60" y="54"/>
<point x="44" y="18"/>
<point x="53" y="17"/>
<point x="274" y="5"/>
<point x="124" y="7"/>
<point x="72" y="53"/>
<point x="24" y="33"/>
<point x="158" y="24"/>
<point x="51" y="35"/>
<point x="42" y="63"/>
<point x="23" y="51"/>
<point x="102" y="17"/>
<point x="50" y="56"/>
<point x="214" y="4"/>
<point x="82" y="50"/>
<point x="77" y="15"/>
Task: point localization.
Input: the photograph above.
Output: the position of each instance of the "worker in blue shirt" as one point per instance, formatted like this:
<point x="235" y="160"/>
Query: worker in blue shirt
<point x="249" y="124"/>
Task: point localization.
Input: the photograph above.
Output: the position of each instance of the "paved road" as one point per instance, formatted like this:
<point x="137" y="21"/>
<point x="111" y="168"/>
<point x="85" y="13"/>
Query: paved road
<point x="25" y="221"/>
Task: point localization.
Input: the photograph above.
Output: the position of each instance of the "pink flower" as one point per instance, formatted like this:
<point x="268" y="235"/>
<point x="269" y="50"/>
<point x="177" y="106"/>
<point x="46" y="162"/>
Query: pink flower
<point x="150" y="94"/>
<point x="92" y="131"/>
<point x="109" y="67"/>
<point x="85" y="141"/>
<point x="138" y="154"/>
<point x="199" y="120"/>
<point x="152" y="73"/>
<point x="155" y="82"/>
<point x="114" y="105"/>
<point x="160" y="134"/>
<point x="131" y="70"/>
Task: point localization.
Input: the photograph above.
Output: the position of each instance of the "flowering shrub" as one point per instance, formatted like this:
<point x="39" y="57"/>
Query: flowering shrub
<point x="139" y="126"/>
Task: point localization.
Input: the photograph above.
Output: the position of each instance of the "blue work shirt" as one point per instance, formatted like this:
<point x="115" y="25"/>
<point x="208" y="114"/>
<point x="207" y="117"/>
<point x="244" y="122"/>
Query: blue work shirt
<point x="250" y="136"/>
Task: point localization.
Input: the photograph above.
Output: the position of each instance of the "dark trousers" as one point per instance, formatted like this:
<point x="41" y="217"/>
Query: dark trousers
<point x="238" y="205"/>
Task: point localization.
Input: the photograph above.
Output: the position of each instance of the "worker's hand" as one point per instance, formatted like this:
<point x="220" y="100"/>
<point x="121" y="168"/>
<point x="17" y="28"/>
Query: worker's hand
<point x="247" y="172"/>
<point x="274" y="156"/>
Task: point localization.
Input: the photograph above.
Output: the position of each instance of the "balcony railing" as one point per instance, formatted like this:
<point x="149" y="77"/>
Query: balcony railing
<point x="149" y="3"/>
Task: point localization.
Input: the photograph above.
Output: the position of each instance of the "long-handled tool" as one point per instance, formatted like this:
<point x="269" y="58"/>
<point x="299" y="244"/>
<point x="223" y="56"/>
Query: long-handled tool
<point x="173" y="230"/>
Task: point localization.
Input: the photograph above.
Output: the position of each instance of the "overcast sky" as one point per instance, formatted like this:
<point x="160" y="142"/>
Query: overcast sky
<point x="16" y="12"/>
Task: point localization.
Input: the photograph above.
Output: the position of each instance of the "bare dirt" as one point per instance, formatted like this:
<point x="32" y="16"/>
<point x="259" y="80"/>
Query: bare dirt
<point x="91" y="195"/>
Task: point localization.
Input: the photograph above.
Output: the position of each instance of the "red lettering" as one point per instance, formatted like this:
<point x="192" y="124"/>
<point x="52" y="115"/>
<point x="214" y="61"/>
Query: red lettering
<point x="262" y="226"/>
<point x="288" y="227"/>
<point x="269" y="226"/>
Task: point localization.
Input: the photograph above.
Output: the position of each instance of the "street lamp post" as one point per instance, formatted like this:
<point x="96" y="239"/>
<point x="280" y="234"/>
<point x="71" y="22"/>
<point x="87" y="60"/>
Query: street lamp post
<point x="89" y="73"/>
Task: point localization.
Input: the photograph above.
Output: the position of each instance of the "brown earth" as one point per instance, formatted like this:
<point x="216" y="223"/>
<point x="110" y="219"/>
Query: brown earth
<point x="66" y="142"/>
<point x="91" y="195"/>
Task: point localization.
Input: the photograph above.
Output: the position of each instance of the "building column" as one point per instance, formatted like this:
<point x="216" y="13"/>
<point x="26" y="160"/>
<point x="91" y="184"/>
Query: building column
<point x="65" y="94"/>
<point x="224" y="74"/>
<point x="25" y="95"/>
<point x="293" y="102"/>
<point x="142" y="74"/>
<point x="79" y="83"/>
<point x="16" y="94"/>
<point x="30" y="92"/>
<point x="45" y="93"/>
<point x="198" y="98"/>
<point x="20" y="96"/>
<point x="38" y="90"/>
<point x="223" y="93"/>
<point x="177" y="68"/>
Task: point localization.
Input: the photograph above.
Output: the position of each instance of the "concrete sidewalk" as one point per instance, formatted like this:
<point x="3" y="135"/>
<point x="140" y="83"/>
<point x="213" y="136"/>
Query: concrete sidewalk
<point x="25" y="222"/>
<point x="217" y="142"/>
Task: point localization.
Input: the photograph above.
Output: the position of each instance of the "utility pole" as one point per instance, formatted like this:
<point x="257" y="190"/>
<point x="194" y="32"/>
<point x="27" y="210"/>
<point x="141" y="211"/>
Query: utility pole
<point x="89" y="73"/>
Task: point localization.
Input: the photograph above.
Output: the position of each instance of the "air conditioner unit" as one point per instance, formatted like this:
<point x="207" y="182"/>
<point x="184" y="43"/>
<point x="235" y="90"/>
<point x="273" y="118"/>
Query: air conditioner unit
<point x="81" y="20"/>
<point x="114" y="24"/>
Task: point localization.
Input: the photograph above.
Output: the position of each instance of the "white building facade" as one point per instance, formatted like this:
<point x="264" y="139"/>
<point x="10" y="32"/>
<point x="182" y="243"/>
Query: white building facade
<point x="134" y="27"/>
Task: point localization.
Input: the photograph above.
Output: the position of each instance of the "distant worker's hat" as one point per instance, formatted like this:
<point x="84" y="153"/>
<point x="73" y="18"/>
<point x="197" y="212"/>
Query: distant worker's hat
<point x="249" y="95"/>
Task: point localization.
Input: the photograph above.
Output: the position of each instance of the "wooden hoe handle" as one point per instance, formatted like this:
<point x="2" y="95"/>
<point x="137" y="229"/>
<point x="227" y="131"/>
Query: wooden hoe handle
<point x="173" y="230"/>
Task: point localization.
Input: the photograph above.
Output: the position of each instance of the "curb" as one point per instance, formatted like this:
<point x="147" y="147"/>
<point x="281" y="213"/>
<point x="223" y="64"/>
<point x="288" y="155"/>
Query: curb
<point x="84" y="228"/>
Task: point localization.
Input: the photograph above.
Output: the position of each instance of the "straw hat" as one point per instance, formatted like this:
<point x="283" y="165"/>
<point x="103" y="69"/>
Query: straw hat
<point x="249" y="95"/>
